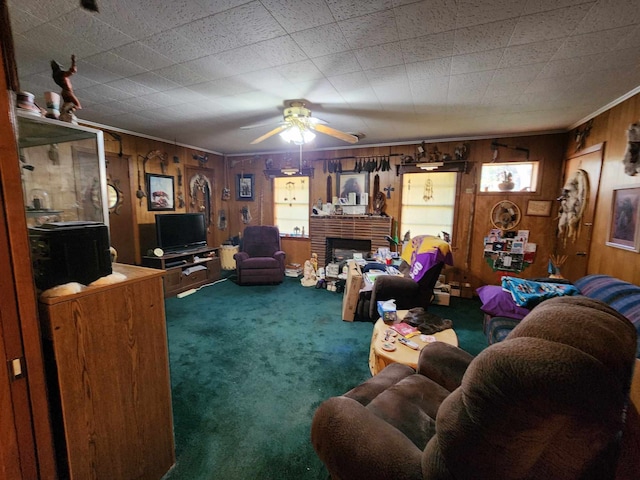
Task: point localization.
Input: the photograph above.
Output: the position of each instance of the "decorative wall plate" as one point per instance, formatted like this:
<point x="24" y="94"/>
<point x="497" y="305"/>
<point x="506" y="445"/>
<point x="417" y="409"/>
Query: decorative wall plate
<point x="505" y="215"/>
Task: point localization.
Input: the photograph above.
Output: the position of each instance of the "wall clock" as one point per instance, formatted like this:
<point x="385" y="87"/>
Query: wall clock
<point x="505" y="215"/>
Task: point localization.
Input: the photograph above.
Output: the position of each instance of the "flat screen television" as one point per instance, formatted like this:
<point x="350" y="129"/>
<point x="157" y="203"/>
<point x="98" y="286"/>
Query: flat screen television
<point x="176" y="232"/>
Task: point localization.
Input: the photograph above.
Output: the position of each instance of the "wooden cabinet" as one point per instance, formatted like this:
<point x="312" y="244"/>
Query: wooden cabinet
<point x="187" y="270"/>
<point x="108" y="370"/>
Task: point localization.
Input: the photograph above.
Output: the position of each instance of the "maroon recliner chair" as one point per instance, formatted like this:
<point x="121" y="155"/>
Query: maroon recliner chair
<point x="260" y="260"/>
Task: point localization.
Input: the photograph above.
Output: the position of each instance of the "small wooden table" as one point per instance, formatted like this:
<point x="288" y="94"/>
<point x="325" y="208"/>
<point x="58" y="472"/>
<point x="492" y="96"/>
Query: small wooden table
<point x="380" y="358"/>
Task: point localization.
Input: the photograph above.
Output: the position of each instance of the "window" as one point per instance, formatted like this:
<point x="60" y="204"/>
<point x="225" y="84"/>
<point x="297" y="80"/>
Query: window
<point x="291" y="205"/>
<point x="509" y="177"/>
<point x="428" y="203"/>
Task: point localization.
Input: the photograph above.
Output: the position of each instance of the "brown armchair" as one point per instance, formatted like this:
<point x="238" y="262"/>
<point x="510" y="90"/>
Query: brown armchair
<point x="260" y="259"/>
<point x="548" y="402"/>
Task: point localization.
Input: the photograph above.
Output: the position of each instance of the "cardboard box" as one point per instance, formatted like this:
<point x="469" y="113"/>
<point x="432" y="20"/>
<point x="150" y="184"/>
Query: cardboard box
<point x="441" y="298"/>
<point x="351" y="291"/>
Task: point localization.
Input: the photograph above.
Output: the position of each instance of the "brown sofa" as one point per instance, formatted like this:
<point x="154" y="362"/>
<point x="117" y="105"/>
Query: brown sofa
<point x="549" y="402"/>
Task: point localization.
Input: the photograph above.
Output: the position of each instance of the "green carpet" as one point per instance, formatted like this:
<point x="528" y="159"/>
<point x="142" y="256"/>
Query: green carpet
<point x="249" y="367"/>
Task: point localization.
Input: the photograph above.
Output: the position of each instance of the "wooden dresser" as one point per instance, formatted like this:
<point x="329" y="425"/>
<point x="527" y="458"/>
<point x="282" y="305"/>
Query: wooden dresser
<point x="108" y="374"/>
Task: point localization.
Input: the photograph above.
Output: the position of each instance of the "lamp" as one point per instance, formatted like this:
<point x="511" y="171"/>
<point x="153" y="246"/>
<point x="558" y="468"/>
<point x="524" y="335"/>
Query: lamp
<point x="297" y="134"/>
<point x="429" y="165"/>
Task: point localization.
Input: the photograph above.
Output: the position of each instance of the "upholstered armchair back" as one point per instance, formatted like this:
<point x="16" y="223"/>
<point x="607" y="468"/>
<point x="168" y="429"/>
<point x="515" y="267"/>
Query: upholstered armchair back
<point x="261" y="240"/>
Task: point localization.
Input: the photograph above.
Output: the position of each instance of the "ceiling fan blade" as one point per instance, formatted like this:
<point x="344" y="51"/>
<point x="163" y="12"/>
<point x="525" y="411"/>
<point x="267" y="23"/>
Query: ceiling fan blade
<point x="270" y="134"/>
<point x="347" y="137"/>
<point x="263" y="124"/>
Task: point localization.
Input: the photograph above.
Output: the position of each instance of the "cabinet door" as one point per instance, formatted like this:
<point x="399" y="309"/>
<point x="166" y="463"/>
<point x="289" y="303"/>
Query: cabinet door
<point x="111" y="355"/>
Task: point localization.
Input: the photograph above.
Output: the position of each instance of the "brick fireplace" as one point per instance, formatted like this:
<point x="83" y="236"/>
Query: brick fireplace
<point x="346" y="232"/>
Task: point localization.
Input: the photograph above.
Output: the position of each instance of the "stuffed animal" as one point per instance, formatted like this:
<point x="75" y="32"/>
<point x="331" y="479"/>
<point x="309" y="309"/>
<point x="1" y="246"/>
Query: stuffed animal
<point x="631" y="158"/>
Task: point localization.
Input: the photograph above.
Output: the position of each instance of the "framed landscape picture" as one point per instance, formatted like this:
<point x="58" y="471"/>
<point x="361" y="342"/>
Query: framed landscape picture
<point x="160" y="192"/>
<point x="244" y="186"/>
<point x="625" y="220"/>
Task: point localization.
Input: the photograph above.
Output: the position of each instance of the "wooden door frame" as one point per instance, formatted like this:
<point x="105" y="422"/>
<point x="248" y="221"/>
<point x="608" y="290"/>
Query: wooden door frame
<point x="20" y="326"/>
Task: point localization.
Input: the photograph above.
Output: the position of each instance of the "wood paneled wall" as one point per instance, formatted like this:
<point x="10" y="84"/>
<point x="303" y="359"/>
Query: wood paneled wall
<point x="471" y="221"/>
<point x="611" y="127"/>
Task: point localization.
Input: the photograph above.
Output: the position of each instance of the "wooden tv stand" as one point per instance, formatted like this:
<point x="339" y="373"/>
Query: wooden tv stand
<point x="182" y="269"/>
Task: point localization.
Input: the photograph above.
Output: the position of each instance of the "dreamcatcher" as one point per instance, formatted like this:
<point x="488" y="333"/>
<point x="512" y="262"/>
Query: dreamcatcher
<point x="573" y="202"/>
<point x="290" y="196"/>
<point x="428" y="190"/>
<point x="200" y="193"/>
<point x="505" y="215"/>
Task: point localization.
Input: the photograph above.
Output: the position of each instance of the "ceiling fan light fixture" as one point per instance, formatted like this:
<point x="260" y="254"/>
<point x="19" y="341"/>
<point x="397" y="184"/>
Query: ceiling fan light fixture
<point x="297" y="135"/>
<point x="429" y="165"/>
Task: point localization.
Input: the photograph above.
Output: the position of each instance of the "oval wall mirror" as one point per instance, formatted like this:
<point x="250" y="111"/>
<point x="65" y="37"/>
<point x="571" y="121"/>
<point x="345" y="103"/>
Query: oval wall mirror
<point x="114" y="196"/>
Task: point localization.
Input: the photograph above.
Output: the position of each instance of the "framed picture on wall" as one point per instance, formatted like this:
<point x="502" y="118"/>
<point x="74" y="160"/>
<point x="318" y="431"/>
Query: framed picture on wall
<point x="625" y="219"/>
<point x="244" y="186"/>
<point x="347" y="183"/>
<point x="539" y="208"/>
<point x="160" y="192"/>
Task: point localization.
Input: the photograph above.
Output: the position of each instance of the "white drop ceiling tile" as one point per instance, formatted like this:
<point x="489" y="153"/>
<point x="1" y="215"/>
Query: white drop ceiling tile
<point x="142" y="56"/>
<point x="94" y="73"/>
<point x="430" y="68"/>
<point x="337" y="64"/>
<point x="128" y="17"/>
<point x="476" y="62"/>
<point x="427" y="47"/>
<point x="207" y="68"/>
<point x="113" y="63"/>
<point x="430" y="89"/>
<point x="345" y="9"/>
<point x="38" y="84"/>
<point x="547" y="25"/>
<point x="361" y="96"/>
<point x="241" y="60"/>
<point x="300" y="71"/>
<point x="22" y="22"/>
<point x="470" y="81"/>
<point x="299" y="15"/>
<point x="484" y="37"/>
<point x="520" y="73"/>
<point x="251" y="22"/>
<point x="278" y="51"/>
<point x="183" y="95"/>
<point x="62" y="43"/>
<point x="154" y="81"/>
<point x="632" y="39"/>
<point x="555" y="84"/>
<point x="165" y="99"/>
<point x="175" y="46"/>
<point x="211" y="35"/>
<point x="384" y="55"/>
<point x="569" y="66"/>
<point x="29" y="58"/>
<point x="43" y="10"/>
<point x="103" y="93"/>
<point x="129" y="86"/>
<point x="372" y="29"/>
<point x="502" y="89"/>
<point x="441" y="15"/>
<point x="320" y="91"/>
<point x="323" y="40"/>
<point x="349" y="81"/>
<point x="531" y="53"/>
<point x="477" y="12"/>
<point x="394" y="95"/>
<point x="82" y="24"/>
<point x="221" y="87"/>
<point x="590" y="43"/>
<point x="608" y="14"/>
<point x="172" y="13"/>
<point x="617" y="58"/>
<point x="545" y="5"/>
<point x="396" y="75"/>
<point x="180" y="74"/>
<point x="135" y="104"/>
<point x="217" y="6"/>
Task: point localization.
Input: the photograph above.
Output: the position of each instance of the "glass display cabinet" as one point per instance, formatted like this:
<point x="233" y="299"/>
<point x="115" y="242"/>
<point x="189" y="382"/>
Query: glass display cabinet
<point x="63" y="171"/>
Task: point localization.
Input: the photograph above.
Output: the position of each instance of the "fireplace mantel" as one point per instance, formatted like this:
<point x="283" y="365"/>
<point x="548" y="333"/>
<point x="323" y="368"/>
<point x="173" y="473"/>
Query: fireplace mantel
<point x="364" y="227"/>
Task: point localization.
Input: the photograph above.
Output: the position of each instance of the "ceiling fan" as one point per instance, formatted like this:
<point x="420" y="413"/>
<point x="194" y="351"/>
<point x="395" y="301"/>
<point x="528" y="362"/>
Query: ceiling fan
<point x="298" y="126"/>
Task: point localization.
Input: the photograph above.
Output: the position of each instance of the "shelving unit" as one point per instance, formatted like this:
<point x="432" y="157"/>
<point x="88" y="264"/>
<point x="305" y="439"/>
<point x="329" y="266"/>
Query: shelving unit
<point x="183" y="270"/>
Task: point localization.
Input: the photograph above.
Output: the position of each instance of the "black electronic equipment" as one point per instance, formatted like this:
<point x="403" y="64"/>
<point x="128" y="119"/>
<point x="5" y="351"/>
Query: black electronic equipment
<point x="176" y="232"/>
<point x="63" y="252"/>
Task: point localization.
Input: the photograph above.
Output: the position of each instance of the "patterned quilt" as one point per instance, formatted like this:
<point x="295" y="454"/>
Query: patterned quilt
<point x="529" y="293"/>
